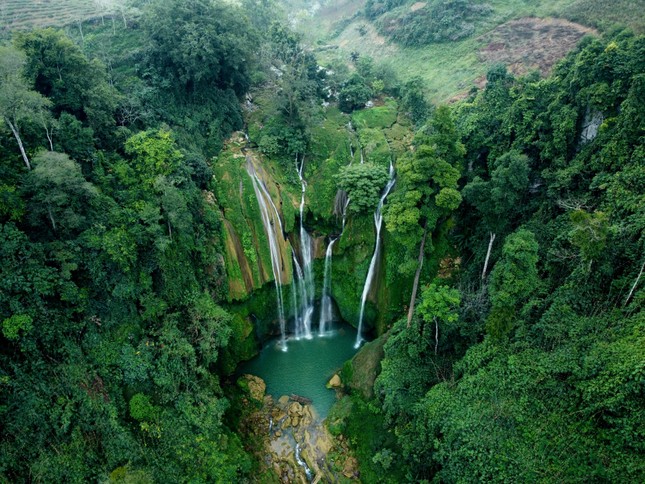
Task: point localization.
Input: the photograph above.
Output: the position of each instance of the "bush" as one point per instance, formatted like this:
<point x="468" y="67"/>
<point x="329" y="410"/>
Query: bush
<point x="363" y="184"/>
<point x="354" y="94"/>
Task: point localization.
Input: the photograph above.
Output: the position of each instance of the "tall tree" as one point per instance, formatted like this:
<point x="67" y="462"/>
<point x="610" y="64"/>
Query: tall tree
<point x="200" y="44"/>
<point x="19" y="105"/>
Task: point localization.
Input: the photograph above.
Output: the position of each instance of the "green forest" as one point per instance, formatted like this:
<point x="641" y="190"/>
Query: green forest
<point x="187" y="186"/>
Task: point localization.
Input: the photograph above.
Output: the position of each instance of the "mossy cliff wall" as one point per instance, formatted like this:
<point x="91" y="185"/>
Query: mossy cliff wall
<point x="381" y="135"/>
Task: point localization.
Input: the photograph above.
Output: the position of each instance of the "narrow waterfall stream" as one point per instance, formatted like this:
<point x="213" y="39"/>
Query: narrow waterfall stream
<point x="305" y="271"/>
<point x="272" y="223"/>
<point x="378" y="222"/>
<point x="326" y="313"/>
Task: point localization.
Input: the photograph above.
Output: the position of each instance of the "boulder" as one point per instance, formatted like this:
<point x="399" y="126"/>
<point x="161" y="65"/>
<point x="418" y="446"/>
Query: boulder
<point x="254" y="385"/>
<point x="283" y="400"/>
<point x="350" y="469"/>
<point x="366" y="366"/>
<point x="278" y="415"/>
<point x="295" y="409"/>
<point x="335" y="382"/>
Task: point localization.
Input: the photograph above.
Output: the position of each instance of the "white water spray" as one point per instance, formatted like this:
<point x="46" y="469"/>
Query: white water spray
<point x="378" y="222"/>
<point x="305" y="311"/>
<point x="326" y="315"/>
<point x="271" y="222"/>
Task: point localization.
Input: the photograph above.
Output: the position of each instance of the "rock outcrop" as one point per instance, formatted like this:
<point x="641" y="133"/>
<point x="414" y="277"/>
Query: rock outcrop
<point x="254" y="385"/>
<point x="296" y="444"/>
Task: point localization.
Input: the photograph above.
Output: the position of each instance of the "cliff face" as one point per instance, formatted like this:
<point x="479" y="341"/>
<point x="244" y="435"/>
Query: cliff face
<point x="376" y="135"/>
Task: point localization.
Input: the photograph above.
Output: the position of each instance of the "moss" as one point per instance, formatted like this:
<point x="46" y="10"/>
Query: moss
<point x="351" y="263"/>
<point x="242" y="344"/>
<point x="329" y="151"/>
<point x="347" y="372"/>
<point x="322" y="189"/>
<point x="361" y="371"/>
<point x="260" y="311"/>
<point x="337" y="417"/>
<point x="376" y="117"/>
<point x="330" y="139"/>
<point x="375" y="146"/>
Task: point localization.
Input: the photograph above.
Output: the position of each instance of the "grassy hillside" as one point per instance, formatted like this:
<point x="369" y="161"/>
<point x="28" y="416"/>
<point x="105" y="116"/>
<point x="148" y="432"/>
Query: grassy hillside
<point x="514" y="33"/>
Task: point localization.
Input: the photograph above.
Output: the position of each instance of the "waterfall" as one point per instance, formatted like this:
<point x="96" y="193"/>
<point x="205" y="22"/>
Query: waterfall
<point x="378" y="222"/>
<point x="301" y="302"/>
<point x="362" y="157"/>
<point x="342" y="229"/>
<point x="305" y="272"/>
<point x="271" y="221"/>
<point x="325" y="303"/>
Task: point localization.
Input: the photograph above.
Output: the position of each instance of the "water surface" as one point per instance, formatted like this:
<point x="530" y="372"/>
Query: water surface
<point x="306" y="367"/>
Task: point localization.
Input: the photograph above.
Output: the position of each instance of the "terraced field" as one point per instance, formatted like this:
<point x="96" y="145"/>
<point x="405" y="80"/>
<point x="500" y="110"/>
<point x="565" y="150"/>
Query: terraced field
<point x="24" y="14"/>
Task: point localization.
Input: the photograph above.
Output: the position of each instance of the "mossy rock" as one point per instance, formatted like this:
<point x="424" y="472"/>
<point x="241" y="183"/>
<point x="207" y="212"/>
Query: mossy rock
<point x="242" y="345"/>
<point x="380" y="117"/>
<point x="364" y="367"/>
<point x="338" y="414"/>
<point x="375" y="146"/>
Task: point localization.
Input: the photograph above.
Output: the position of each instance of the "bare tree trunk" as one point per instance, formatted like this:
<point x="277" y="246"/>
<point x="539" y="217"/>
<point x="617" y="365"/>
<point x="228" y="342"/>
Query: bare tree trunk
<point x="415" y="286"/>
<point x="436" y="336"/>
<point x="16" y="134"/>
<point x="49" y="134"/>
<point x="490" y="247"/>
<point x="51" y="217"/>
<point x="629" y="296"/>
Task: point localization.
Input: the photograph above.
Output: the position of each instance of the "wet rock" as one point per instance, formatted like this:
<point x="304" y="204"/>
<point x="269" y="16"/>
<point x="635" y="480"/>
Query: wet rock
<point x="295" y="421"/>
<point x="306" y="421"/>
<point x="295" y="409"/>
<point x="335" y="382"/>
<point x="300" y="399"/>
<point x="283" y="400"/>
<point x="278" y="433"/>
<point x="350" y="469"/>
<point x="324" y="443"/>
<point x="254" y="385"/>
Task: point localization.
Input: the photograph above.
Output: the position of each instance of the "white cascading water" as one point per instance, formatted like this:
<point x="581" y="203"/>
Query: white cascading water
<point x="326" y="314"/>
<point x="271" y="221"/>
<point x="378" y="222"/>
<point x="302" y="311"/>
<point x="344" y="215"/>
<point x="305" y="272"/>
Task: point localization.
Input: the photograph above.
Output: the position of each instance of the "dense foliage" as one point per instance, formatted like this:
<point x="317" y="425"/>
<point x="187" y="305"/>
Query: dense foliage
<point x="522" y="356"/>
<point x="111" y="270"/>
<point x="533" y="371"/>
<point x="434" y="21"/>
